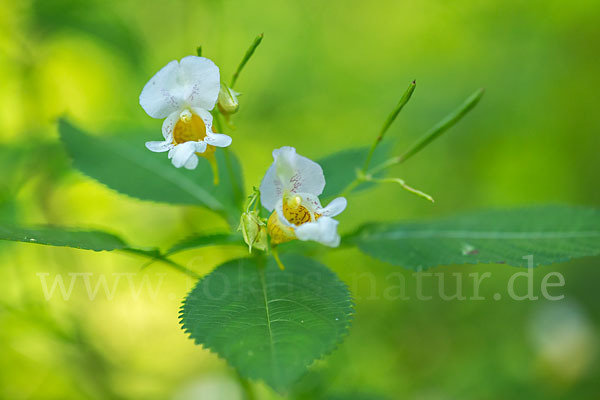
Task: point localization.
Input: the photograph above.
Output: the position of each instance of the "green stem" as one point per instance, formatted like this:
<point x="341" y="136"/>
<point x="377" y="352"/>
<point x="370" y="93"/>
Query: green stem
<point x="357" y="180"/>
<point x="403" y="184"/>
<point x="153" y="257"/>
<point x="388" y="122"/>
<point x="245" y="59"/>
<point x="432" y="134"/>
<point x="237" y="190"/>
<point x="442" y="126"/>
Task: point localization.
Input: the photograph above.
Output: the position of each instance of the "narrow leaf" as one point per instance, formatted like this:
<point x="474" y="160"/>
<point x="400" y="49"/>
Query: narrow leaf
<point x="443" y="125"/>
<point x="57" y="236"/>
<point x="125" y="165"/>
<point x="267" y="323"/>
<point x="550" y="234"/>
<point x="245" y="59"/>
<point x="389" y="121"/>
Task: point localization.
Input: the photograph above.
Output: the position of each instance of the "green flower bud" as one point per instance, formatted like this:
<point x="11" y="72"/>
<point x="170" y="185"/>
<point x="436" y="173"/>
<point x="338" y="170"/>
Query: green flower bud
<point x="254" y="230"/>
<point x="228" y="102"/>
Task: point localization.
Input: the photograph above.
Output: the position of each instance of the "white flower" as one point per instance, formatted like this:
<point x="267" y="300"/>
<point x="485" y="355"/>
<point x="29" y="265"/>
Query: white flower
<point x="183" y="92"/>
<point x="291" y="188"/>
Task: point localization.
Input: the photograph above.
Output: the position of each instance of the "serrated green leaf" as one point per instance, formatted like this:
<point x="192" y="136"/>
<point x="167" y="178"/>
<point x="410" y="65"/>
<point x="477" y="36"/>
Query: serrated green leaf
<point x="125" y="165"/>
<point x="57" y="236"/>
<point x="340" y="168"/>
<point x="267" y="323"/>
<point x="550" y="234"/>
<point x="204" y="240"/>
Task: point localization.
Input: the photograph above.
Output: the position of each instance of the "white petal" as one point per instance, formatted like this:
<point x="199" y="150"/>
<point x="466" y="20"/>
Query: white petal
<point x="335" y="207"/>
<point x="182" y="152"/>
<point x="200" y="147"/>
<point x="271" y="189"/>
<point x="202" y="81"/>
<point x="192" y="162"/>
<point x="163" y="94"/>
<point x="290" y="172"/>
<point x="217" y="139"/>
<point x="324" y="231"/>
<point x="169" y="124"/>
<point x="159" y="147"/>
<point x="311" y="202"/>
<point x="207" y="117"/>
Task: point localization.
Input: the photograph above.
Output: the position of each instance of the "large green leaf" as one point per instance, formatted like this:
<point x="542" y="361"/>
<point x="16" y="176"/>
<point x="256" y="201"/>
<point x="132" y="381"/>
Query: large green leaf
<point x="550" y="234"/>
<point x="57" y="236"/>
<point x="125" y="165"/>
<point x="267" y="323"/>
<point x="340" y="168"/>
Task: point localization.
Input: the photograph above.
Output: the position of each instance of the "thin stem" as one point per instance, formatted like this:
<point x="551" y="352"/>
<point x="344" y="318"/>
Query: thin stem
<point x="388" y="122"/>
<point x="277" y="259"/>
<point x="426" y="139"/>
<point x="357" y="180"/>
<point x="237" y="191"/>
<point x="153" y="257"/>
<point x="403" y="184"/>
<point x="245" y="59"/>
<point x="442" y="126"/>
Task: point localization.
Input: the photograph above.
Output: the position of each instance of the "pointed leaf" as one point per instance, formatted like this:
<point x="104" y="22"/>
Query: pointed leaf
<point x="551" y="234"/>
<point x="58" y="236"/>
<point x="267" y="323"/>
<point x="125" y="165"/>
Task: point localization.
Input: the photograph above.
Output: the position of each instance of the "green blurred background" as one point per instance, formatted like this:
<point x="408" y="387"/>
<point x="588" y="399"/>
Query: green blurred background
<point x="324" y="79"/>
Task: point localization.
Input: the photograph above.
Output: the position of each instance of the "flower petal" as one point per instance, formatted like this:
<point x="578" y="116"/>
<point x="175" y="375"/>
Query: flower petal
<point x="182" y="152"/>
<point x="163" y="94"/>
<point x="192" y="163"/>
<point x="200" y="147"/>
<point x="335" y="207"/>
<point x="324" y="231"/>
<point x="290" y="172"/>
<point x="159" y="147"/>
<point x="169" y="124"/>
<point x="207" y="117"/>
<point x="217" y="139"/>
<point x="202" y="81"/>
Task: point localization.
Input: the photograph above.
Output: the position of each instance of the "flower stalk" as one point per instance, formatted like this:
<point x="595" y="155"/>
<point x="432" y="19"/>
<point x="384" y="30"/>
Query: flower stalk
<point x="245" y="59"/>
<point x="389" y="121"/>
<point x="365" y="174"/>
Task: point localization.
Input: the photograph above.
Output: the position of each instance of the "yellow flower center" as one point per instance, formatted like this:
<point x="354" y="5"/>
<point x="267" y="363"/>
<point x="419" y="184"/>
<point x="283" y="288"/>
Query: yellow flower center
<point x="191" y="127"/>
<point x="295" y="213"/>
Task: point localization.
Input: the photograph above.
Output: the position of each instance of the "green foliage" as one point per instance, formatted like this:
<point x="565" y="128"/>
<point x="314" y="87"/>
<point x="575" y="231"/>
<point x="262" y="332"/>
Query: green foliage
<point x="340" y="168"/>
<point x="88" y="17"/>
<point x="55" y="236"/>
<point x="204" y="240"/>
<point x="246" y="58"/>
<point x="267" y="323"/>
<point x="551" y="234"/>
<point x="125" y="165"/>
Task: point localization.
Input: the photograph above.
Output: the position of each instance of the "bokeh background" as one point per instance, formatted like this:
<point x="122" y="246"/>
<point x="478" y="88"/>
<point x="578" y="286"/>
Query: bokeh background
<point x="324" y="79"/>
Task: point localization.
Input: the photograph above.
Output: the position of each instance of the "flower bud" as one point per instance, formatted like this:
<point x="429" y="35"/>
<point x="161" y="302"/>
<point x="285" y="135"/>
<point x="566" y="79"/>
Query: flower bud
<point x="254" y="230"/>
<point x="228" y="102"/>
